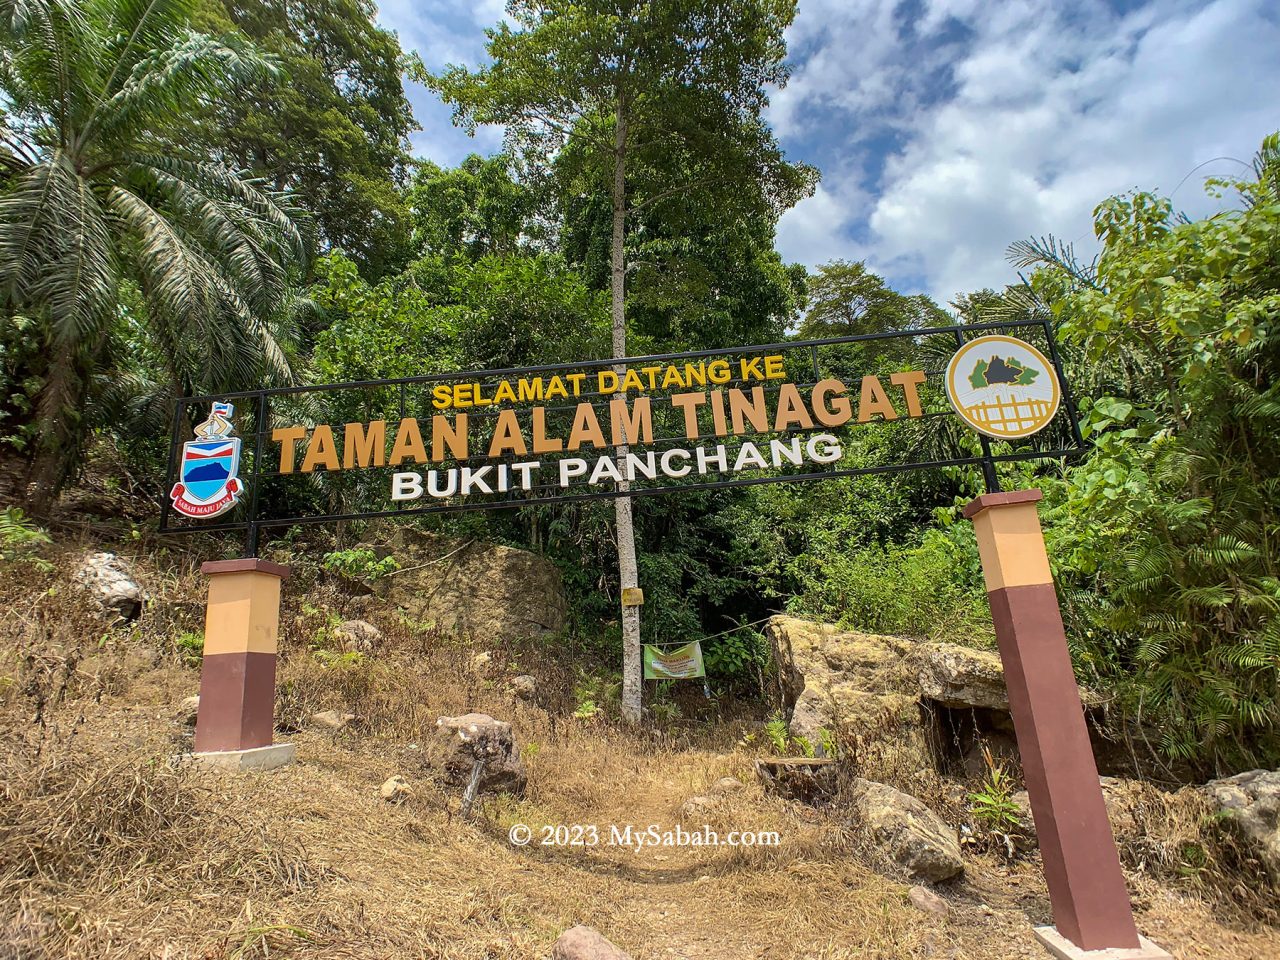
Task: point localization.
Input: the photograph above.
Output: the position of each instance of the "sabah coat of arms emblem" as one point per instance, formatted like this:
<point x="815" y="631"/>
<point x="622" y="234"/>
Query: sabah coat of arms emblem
<point x="207" y="482"/>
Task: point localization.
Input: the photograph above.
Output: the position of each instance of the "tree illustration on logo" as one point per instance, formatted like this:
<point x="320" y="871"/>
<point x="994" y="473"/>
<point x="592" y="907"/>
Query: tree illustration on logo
<point x="1001" y="370"/>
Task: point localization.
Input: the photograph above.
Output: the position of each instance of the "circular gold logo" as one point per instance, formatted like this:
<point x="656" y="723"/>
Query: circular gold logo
<point x="1003" y="387"/>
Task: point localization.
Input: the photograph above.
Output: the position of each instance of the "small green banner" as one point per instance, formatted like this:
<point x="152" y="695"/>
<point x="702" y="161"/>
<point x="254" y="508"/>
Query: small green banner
<point x="673" y="663"/>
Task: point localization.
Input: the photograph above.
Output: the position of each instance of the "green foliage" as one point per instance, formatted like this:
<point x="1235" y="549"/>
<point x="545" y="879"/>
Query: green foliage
<point x="360" y="563"/>
<point x="991" y="805"/>
<point x="19" y="536"/>
<point x="98" y="192"/>
<point x="930" y="587"/>
<point x="845" y="299"/>
<point x="190" y="648"/>
<point x="777" y="733"/>
<point x="739" y="655"/>
<point x="385" y="330"/>
<point x="337" y="130"/>
<point x="1168" y="534"/>
<point x="470" y="211"/>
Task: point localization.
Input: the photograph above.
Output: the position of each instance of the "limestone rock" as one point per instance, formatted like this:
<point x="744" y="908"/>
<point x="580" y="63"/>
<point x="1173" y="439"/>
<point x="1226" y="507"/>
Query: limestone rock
<point x="925" y="900"/>
<point x="188" y="711"/>
<point x="830" y="678"/>
<point x="907" y="832"/>
<point x="956" y="676"/>
<point x="332" y="719"/>
<point x="395" y="789"/>
<point x="470" y="587"/>
<point x="357" y="636"/>
<point x="472" y="736"/>
<point x="111" y="582"/>
<point x="524" y="687"/>
<point x="585" y="943"/>
<point x="1250" y="806"/>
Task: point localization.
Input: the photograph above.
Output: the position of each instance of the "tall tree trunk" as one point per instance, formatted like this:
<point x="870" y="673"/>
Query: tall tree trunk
<point x="628" y="575"/>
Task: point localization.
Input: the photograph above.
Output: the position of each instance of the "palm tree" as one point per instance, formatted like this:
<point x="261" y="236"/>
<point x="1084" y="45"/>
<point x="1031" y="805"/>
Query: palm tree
<point x="107" y="218"/>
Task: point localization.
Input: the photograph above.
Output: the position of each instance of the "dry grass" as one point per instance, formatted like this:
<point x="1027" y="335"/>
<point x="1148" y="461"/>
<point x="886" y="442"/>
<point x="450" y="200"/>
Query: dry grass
<point x="108" y="852"/>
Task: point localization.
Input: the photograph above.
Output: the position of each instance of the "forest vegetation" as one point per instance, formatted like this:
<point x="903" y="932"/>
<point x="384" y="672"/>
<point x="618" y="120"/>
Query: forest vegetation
<point x="212" y="195"/>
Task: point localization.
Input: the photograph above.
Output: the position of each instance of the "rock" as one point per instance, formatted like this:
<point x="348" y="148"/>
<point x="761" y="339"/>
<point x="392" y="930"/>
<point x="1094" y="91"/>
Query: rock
<point x="956" y="676"/>
<point x="110" y="579"/>
<point x="924" y="899"/>
<point x="584" y="943"/>
<point x="830" y="678"/>
<point x="726" y="785"/>
<point x="470" y="587"/>
<point x="395" y="789"/>
<point x="188" y="711"/>
<point x="524" y="687"/>
<point x="357" y="636"/>
<point x="332" y="719"/>
<point x="907" y="832"/>
<point x="462" y="740"/>
<point x="696" y="808"/>
<point x="481" y="661"/>
<point x="1249" y="804"/>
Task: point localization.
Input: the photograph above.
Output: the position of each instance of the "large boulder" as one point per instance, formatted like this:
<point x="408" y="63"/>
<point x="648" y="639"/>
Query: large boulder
<point x="477" y="736"/>
<point x="481" y="589"/>
<point x="906" y="831"/>
<point x="831" y="678"/>
<point x="961" y="677"/>
<point x="1249" y="804"/>
<point x="584" y="943"/>
<point x="111" y="582"/>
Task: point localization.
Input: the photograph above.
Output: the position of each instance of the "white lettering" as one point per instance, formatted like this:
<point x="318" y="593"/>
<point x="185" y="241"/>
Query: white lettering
<point x="406" y="486"/>
<point x="671" y="455"/>
<point x="830" y="448"/>
<point x="571" y="467"/>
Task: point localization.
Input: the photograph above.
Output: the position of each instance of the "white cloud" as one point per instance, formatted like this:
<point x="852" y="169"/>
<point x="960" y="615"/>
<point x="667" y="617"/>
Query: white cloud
<point x="443" y="32"/>
<point x="1034" y="113"/>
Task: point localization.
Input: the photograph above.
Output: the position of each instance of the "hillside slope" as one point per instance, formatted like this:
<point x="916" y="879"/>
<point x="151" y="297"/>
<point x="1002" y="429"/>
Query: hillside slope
<point x="106" y="851"/>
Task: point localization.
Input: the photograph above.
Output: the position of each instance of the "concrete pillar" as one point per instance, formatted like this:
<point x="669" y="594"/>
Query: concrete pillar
<point x="235" y="723"/>
<point x="1091" y="908"/>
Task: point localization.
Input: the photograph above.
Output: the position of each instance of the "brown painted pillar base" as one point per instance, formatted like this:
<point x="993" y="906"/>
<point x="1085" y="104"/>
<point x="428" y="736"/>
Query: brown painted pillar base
<point x="1086" y="886"/>
<point x="238" y="675"/>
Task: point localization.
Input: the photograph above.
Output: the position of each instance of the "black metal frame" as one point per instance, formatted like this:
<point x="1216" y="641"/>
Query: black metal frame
<point x="253" y="524"/>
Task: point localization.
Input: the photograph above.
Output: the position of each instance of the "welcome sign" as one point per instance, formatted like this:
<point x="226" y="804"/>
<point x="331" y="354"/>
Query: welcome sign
<point x="506" y="438"/>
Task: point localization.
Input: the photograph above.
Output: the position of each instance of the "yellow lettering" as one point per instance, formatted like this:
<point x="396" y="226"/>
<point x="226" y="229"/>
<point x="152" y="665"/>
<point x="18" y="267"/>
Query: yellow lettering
<point x="408" y="445"/>
<point x="507" y="436"/>
<point x="453" y="435"/>
<point x="632" y="427"/>
<point x="287" y="437"/>
<point x="835" y="412"/>
<point x="321" y="450"/>
<point x="364" y="448"/>
<point x="873" y="400"/>
<point x="909" y="381"/>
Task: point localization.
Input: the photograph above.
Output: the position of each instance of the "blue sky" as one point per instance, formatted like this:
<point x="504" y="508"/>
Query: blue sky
<point x="946" y="129"/>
